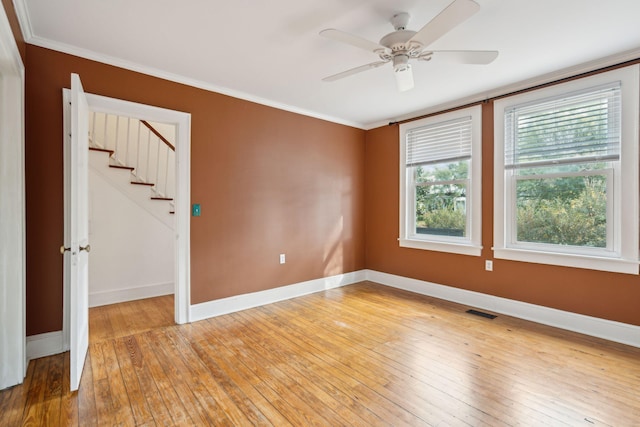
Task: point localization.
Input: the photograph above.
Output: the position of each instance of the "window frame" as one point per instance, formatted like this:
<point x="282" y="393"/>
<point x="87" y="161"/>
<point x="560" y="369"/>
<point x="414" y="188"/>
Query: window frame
<point x="472" y="243"/>
<point x="622" y="256"/>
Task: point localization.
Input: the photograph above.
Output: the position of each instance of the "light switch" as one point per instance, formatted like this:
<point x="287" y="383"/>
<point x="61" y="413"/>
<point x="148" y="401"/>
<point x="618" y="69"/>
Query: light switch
<point x="195" y="209"/>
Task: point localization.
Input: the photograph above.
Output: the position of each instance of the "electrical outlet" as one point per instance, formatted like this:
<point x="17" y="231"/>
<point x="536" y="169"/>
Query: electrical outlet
<point x="282" y="259"/>
<point x="488" y="265"/>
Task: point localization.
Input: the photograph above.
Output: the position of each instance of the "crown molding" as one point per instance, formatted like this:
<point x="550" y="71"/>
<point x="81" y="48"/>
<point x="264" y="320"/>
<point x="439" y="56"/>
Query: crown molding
<point x="154" y="72"/>
<point x="23" y="19"/>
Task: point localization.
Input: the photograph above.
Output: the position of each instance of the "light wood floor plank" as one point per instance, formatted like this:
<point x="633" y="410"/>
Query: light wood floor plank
<point x="360" y="355"/>
<point x="220" y="361"/>
<point x="183" y="396"/>
<point x="219" y="404"/>
<point x="272" y="383"/>
<point x="163" y="383"/>
<point x="146" y="403"/>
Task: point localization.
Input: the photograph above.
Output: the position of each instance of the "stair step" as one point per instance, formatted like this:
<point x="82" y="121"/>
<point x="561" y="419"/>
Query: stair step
<point x="122" y="167"/>
<point x="162" y="198"/>
<point x="150" y="184"/>
<point x="104" y="150"/>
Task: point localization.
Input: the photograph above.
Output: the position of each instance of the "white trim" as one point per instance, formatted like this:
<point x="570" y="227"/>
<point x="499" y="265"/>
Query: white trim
<point x="451" y="247"/>
<point x="182" y="198"/>
<point x="115" y="296"/>
<point x="13" y="362"/>
<point x="22" y="14"/>
<point x="150" y="71"/>
<point x="43" y="345"/>
<point x="600" y="263"/>
<point x="624" y="258"/>
<point x="232" y="304"/>
<point x="593" y="326"/>
<point x="470" y="245"/>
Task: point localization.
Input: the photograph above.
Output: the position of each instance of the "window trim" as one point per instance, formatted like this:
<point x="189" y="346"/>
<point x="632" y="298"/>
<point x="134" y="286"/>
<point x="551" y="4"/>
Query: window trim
<point x="472" y="245"/>
<point x="624" y="256"/>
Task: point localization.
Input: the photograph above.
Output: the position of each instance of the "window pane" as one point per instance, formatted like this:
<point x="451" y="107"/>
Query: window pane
<point x="442" y="172"/>
<point x="568" y="210"/>
<point x="441" y="209"/>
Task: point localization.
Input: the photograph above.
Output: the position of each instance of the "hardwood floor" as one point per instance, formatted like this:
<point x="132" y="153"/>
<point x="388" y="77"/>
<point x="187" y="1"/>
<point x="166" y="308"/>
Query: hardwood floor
<point x="362" y="355"/>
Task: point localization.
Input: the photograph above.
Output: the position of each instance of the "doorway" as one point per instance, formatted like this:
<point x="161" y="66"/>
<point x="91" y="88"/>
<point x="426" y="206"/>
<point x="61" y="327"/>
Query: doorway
<point x="131" y="209"/>
<point x="182" y="122"/>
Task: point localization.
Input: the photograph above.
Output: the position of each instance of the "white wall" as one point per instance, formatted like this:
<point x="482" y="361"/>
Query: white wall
<point x="132" y="251"/>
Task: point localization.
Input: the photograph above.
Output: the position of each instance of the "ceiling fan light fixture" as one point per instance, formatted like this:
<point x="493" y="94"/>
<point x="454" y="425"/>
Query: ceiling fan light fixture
<point x="403" y="73"/>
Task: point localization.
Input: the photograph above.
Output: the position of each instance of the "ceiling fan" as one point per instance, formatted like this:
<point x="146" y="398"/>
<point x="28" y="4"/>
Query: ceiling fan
<point x="402" y="45"/>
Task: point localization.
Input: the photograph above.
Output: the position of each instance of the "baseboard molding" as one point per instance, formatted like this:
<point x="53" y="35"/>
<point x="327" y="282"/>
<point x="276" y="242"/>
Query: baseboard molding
<point x="222" y="306"/>
<point x="607" y="329"/>
<point x="43" y="345"/>
<point x="122" y="295"/>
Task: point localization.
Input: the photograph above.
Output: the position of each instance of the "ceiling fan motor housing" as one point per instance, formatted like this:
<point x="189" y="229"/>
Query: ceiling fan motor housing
<point x="398" y="40"/>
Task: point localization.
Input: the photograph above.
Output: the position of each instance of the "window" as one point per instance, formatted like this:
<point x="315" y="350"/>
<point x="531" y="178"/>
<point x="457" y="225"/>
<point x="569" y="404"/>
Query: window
<point x="440" y="182"/>
<point x="566" y="174"/>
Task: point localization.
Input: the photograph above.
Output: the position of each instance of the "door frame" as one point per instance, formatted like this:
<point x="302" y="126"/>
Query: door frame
<point x="13" y="362"/>
<point x="182" y="121"/>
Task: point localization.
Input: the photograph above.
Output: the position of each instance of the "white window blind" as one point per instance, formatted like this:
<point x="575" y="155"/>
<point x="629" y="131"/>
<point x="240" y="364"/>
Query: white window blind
<point x="448" y="141"/>
<point x="575" y="128"/>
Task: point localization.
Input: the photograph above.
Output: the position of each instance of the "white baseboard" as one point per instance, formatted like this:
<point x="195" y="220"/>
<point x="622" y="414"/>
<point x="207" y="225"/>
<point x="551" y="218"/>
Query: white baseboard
<point x="593" y="326"/>
<point x="46" y="344"/>
<point x="122" y="295"/>
<point x="242" y="302"/>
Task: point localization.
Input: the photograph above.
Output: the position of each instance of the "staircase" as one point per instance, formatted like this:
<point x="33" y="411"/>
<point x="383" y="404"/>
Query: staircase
<point x="141" y="156"/>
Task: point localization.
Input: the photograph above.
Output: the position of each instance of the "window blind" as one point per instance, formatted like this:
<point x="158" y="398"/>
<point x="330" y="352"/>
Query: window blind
<point x="575" y="128"/>
<point x="448" y="141"/>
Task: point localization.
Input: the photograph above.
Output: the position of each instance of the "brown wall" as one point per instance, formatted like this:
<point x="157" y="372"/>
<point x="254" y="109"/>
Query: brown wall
<point x="273" y="182"/>
<point x="15" y="27"/>
<point x="595" y="293"/>
<point x="268" y="181"/>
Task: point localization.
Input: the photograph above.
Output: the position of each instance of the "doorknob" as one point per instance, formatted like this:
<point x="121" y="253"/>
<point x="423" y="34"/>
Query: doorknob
<point x="86" y="248"/>
<point x="63" y="249"/>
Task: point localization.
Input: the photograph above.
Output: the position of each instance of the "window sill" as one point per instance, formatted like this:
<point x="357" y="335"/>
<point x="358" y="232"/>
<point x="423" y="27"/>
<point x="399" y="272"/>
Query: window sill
<point x="614" y="265"/>
<point x="454" y="248"/>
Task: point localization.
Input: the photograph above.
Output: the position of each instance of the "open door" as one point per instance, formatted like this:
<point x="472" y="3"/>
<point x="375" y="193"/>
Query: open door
<point x="76" y="249"/>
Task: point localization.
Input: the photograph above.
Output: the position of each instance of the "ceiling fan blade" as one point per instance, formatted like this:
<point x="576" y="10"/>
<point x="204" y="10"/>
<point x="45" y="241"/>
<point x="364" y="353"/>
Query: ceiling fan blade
<point x="453" y="15"/>
<point x="404" y="78"/>
<point x="480" y="57"/>
<point x="353" y="71"/>
<point x="353" y="40"/>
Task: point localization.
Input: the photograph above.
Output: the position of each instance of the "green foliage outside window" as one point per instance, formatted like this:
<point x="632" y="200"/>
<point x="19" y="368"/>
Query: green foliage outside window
<point x="565" y="211"/>
<point x="441" y="207"/>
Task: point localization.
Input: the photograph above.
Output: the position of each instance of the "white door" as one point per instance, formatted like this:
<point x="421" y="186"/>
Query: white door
<point x="77" y="229"/>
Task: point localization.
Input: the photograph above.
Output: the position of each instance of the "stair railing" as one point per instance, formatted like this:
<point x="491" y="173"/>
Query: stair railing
<point x="139" y="146"/>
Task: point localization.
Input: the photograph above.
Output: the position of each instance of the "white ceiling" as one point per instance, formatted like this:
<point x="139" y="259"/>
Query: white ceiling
<point x="270" y="51"/>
